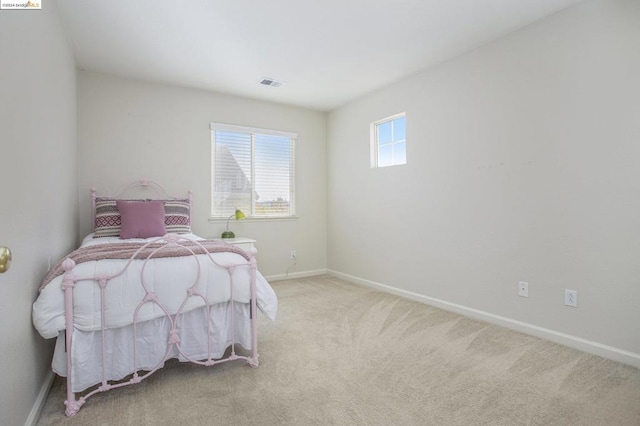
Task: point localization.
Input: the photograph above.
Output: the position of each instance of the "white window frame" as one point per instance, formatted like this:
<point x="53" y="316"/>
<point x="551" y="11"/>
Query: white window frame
<point x="254" y="131"/>
<point x="375" y="144"/>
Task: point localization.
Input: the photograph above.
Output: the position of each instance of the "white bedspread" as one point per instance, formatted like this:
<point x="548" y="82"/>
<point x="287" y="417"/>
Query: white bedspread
<point x="151" y="349"/>
<point x="167" y="278"/>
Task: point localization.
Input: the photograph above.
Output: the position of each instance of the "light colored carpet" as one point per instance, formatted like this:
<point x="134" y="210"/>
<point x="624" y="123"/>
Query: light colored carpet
<point x="340" y="354"/>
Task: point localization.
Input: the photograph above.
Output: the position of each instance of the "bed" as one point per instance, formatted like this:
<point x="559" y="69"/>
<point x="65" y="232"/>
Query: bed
<point x="142" y="289"/>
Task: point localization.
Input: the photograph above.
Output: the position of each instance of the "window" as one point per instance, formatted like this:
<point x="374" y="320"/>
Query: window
<point x="252" y="170"/>
<point x="389" y="141"/>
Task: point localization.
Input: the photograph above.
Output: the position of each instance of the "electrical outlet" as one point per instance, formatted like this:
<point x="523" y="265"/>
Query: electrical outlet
<point x="571" y="297"/>
<point x="523" y="289"/>
<point x="293" y="254"/>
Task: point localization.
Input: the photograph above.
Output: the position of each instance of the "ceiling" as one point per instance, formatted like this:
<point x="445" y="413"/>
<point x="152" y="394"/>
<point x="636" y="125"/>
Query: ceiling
<point x="328" y="52"/>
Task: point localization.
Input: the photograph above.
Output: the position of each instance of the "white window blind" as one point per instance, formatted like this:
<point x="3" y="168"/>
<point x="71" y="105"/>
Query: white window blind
<point x="252" y="170"/>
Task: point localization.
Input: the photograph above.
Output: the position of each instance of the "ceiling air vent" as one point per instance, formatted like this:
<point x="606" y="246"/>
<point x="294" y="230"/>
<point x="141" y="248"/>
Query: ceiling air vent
<point x="271" y="82"/>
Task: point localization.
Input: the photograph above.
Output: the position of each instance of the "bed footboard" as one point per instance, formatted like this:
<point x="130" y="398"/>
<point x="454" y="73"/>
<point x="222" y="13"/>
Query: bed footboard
<point x="71" y="282"/>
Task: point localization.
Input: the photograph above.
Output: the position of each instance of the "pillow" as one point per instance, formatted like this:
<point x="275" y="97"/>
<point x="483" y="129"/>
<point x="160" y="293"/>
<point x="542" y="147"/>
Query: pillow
<point x="108" y="220"/>
<point x="176" y="216"/>
<point x="141" y="219"/>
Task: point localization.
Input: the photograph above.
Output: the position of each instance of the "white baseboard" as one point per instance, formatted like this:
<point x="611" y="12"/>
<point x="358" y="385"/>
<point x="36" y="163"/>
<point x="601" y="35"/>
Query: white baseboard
<point x="34" y="415"/>
<point x="292" y="275"/>
<point x="584" y="345"/>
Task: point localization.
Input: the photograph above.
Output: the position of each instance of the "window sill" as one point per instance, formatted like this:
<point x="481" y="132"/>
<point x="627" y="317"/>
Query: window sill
<point x="255" y="219"/>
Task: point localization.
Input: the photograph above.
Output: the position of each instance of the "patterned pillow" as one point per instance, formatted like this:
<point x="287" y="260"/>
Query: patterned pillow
<point x="108" y="220"/>
<point x="176" y="216"/>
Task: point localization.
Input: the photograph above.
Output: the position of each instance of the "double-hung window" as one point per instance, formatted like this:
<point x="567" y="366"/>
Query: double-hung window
<point x="252" y="170"/>
<point x="389" y="141"/>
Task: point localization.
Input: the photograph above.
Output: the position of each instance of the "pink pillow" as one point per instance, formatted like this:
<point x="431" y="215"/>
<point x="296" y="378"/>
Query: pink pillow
<point x="141" y="219"/>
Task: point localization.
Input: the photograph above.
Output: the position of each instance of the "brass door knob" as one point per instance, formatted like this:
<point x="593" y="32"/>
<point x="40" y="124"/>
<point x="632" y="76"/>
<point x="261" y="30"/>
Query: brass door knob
<point x="5" y="259"/>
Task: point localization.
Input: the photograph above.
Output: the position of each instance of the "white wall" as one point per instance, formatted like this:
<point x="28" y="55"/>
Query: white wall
<point x="38" y="197"/>
<point x="523" y="164"/>
<point x="130" y="130"/>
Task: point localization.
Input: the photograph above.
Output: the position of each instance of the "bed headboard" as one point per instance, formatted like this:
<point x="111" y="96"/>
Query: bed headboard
<point x="105" y="218"/>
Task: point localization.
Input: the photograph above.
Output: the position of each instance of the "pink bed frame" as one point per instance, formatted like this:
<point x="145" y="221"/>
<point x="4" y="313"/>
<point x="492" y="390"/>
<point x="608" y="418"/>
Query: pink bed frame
<point x="70" y="281"/>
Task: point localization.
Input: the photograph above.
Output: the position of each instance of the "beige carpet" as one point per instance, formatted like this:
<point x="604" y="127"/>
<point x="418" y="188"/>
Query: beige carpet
<point x="340" y="354"/>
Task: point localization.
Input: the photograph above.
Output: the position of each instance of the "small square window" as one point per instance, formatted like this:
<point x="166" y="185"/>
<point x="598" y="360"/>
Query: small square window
<point x="389" y="141"/>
